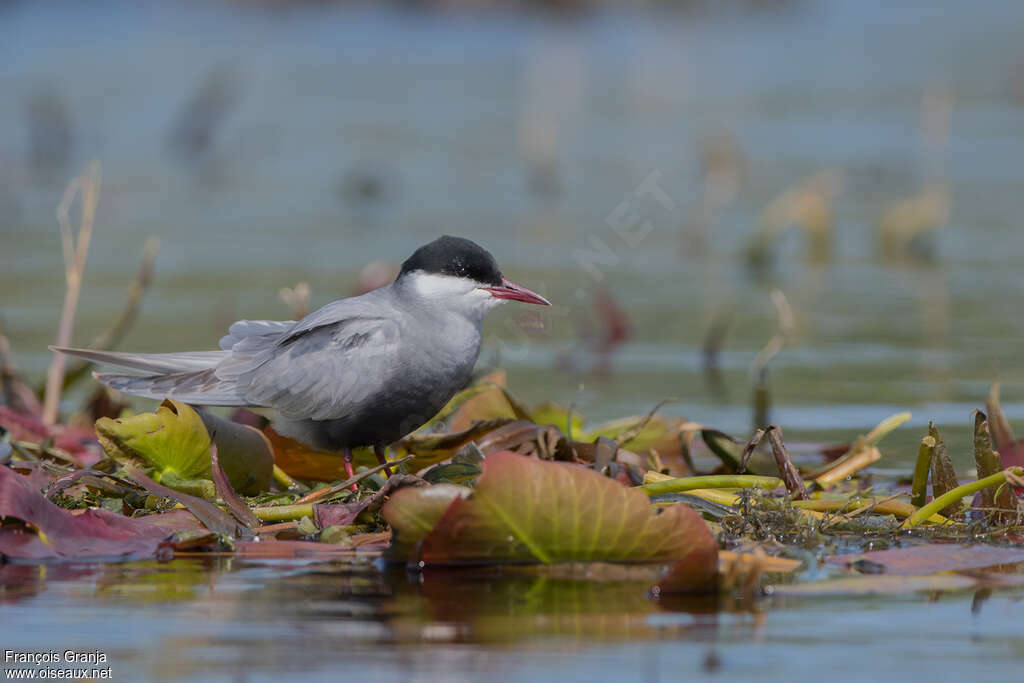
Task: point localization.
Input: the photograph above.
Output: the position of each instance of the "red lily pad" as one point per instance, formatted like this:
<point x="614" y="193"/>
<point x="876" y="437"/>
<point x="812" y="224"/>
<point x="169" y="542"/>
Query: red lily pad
<point x="527" y="510"/>
<point x="274" y="549"/>
<point x="338" y="514"/>
<point x="80" y="442"/>
<point x="1012" y="454"/>
<point x="63" y="535"/>
<point x="934" y="557"/>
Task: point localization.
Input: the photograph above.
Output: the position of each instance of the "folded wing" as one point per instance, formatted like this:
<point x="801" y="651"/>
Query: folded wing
<point x="323" y="372"/>
<point x="317" y="368"/>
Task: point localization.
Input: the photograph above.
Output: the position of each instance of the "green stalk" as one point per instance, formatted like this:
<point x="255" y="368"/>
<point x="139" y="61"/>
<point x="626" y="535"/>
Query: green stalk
<point x="919" y="488"/>
<point x="283" y="513"/>
<point x="724" y="481"/>
<point x="283" y="479"/>
<point x="959" y="492"/>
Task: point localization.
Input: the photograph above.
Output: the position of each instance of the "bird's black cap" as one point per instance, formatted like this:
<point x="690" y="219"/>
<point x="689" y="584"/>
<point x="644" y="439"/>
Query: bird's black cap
<point x="455" y="256"/>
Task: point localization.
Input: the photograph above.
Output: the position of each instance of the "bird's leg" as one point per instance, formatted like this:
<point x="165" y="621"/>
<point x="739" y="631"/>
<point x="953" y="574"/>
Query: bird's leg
<point x="382" y="457"/>
<point x="346" y="454"/>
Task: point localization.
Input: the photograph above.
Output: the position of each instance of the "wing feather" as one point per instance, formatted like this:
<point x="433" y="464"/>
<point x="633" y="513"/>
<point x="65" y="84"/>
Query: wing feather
<point x="319" y="368"/>
<point x="249" y="330"/>
<point x="324" y="372"/>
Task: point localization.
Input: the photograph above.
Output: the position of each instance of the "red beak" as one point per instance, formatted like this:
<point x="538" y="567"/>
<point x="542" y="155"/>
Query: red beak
<point x="510" y="290"/>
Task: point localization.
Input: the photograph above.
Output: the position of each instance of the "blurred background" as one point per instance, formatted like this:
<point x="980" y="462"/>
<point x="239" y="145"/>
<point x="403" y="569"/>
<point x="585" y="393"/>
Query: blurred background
<point x="656" y="169"/>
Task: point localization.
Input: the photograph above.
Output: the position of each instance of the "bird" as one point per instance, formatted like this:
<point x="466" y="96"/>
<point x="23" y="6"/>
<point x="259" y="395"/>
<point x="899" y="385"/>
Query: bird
<point x="361" y="371"/>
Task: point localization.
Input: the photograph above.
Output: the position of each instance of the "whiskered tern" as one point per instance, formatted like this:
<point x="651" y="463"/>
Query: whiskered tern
<point x="362" y="371"/>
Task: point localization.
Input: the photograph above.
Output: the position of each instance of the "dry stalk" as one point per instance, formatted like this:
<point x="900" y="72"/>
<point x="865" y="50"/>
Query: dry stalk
<point x="133" y="302"/>
<point x="75" y="248"/>
<point x="794" y="484"/>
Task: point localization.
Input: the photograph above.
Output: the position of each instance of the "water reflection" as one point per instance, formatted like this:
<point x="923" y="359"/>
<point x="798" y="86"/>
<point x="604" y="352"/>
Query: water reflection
<point x="370" y="604"/>
<point x="207" y="617"/>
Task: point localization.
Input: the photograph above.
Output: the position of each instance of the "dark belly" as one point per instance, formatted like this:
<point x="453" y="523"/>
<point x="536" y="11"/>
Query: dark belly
<point x="382" y="423"/>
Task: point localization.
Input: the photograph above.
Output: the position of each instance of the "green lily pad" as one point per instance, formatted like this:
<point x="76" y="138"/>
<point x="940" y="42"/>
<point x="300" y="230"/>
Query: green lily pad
<point x="175" y="442"/>
<point x="173" y="439"/>
<point x="413" y="512"/>
<point x="649" y="433"/>
<point x="527" y="510"/>
<point x="452" y="473"/>
<point x="551" y="413"/>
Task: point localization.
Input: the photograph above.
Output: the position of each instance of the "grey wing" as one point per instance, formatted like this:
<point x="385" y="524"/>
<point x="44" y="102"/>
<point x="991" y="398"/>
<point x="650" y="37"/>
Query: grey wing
<point x="323" y="371"/>
<point x="258" y="331"/>
<point x="368" y="305"/>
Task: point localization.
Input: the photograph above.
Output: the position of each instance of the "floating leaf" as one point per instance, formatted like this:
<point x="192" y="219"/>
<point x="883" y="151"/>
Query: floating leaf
<point x="299" y="460"/>
<point x="432" y="448"/>
<point x="524" y="509"/>
<point x="338" y="514"/>
<point x="724" y="446"/>
<point x="215" y="519"/>
<point x="413" y="512"/>
<point x="478" y="403"/>
<point x="274" y="549"/>
<point x="176" y="442"/>
<point x="550" y="413"/>
<point x="452" y="473"/>
<point x="173" y="439"/>
<point x="63" y="535"/>
<point x="881" y="584"/>
<point x="526" y="438"/>
<point x="934" y="557"/>
<point x="487" y="399"/>
<point x="658" y="433"/>
<point x="78" y="442"/>
<point x="245" y="453"/>
<point x="235" y="505"/>
<point x="697" y="570"/>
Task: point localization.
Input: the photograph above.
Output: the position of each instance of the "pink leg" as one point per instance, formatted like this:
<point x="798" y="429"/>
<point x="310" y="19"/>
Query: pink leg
<point x="381" y="453"/>
<point x="346" y="454"/>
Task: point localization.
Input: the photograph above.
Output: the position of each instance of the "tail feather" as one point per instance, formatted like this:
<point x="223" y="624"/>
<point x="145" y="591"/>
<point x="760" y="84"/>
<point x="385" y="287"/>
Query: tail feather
<point x="190" y="376"/>
<point x="162" y="363"/>
<point x="199" y="387"/>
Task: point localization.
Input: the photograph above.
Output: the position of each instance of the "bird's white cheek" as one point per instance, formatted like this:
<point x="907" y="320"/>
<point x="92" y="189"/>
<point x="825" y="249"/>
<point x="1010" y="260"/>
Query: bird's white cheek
<point x="480" y="300"/>
<point x="431" y="286"/>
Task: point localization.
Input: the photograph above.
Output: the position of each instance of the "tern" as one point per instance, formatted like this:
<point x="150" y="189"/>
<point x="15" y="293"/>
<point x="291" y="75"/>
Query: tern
<point x="362" y="371"/>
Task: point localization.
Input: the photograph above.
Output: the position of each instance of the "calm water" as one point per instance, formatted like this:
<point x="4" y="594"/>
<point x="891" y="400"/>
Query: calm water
<point x="265" y="620"/>
<point x="352" y="133"/>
